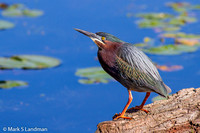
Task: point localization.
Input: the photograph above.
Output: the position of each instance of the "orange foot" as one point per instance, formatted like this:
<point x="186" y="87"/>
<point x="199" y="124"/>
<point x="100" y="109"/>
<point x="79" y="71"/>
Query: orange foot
<point x="138" y="108"/>
<point x="117" y="116"/>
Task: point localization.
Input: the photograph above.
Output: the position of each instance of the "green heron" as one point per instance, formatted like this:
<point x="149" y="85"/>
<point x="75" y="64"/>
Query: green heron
<point x="129" y="66"/>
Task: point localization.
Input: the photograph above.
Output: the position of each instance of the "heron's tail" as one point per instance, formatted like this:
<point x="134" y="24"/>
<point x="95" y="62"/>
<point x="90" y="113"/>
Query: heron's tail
<point x="163" y="90"/>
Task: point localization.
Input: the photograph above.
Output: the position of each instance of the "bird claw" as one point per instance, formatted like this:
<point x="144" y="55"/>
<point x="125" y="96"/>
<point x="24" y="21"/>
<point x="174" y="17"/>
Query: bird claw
<point x="138" y="108"/>
<point x="117" y="116"/>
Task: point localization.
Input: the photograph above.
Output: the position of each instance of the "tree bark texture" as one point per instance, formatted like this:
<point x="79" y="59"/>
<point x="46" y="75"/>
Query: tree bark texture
<point x="180" y="114"/>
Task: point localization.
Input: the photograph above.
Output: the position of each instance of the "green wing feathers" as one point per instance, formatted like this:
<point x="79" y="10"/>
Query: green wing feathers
<point x="133" y="73"/>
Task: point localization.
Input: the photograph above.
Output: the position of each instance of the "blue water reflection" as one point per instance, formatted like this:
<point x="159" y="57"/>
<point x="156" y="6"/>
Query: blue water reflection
<point x="54" y="99"/>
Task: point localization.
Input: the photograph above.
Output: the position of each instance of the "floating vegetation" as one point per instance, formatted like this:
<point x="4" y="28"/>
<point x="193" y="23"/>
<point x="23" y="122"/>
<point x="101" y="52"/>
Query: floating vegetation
<point x="171" y="28"/>
<point x="182" y="6"/>
<point x="181" y="20"/>
<point x="21" y="61"/>
<point x="147" y="41"/>
<point x="169" y="68"/>
<point x="16" y="10"/>
<point x="7" y="84"/>
<point x="180" y="35"/>
<point x="6" y="25"/>
<point x="93" y="75"/>
<point x="28" y="62"/>
<point x="169" y="25"/>
<point x="32" y="13"/>
<point x="3" y="5"/>
<point x="145" y="23"/>
<point x="166" y="21"/>
<point x="139" y="45"/>
<point x="170" y="49"/>
<point x="19" y="10"/>
<point x="154" y="16"/>
<point x="186" y="41"/>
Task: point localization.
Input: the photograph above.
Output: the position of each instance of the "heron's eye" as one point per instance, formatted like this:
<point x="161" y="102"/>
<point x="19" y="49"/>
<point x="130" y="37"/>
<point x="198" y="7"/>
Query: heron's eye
<point x="103" y="38"/>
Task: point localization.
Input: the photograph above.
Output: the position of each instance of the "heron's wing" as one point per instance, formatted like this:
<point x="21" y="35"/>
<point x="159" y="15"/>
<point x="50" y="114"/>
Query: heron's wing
<point x="139" y="77"/>
<point x="136" y="66"/>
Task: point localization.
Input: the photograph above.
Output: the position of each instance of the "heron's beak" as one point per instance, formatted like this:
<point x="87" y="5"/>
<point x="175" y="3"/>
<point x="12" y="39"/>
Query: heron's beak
<point x="96" y="38"/>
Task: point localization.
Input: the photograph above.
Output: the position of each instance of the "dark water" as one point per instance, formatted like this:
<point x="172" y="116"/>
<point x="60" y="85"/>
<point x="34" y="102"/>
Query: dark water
<point x="54" y="99"/>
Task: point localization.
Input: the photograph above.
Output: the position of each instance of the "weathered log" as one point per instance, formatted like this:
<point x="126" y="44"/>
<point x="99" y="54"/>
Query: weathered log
<point x="180" y="113"/>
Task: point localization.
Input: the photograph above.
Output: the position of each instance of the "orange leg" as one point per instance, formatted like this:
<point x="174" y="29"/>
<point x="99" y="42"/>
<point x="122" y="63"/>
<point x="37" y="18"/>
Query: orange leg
<point x="142" y="105"/>
<point x="121" y="115"/>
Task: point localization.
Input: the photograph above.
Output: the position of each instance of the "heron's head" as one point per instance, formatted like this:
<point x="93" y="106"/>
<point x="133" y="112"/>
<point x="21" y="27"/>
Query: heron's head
<point x="102" y="39"/>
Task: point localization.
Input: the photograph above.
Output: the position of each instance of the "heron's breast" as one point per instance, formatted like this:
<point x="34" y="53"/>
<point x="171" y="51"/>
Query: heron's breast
<point x="107" y="58"/>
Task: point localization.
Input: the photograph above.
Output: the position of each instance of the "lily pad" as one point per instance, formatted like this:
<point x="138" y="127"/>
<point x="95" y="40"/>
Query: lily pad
<point x="180" y="35"/>
<point x="177" y="22"/>
<point x="7" y="84"/>
<point x="181" y="20"/>
<point x="171" y="24"/>
<point x="28" y="62"/>
<point x="5" y="25"/>
<point x="170" y="49"/>
<point x="165" y="21"/>
<point x="139" y="45"/>
<point x="182" y="6"/>
<point x="169" y="68"/>
<point x="32" y="13"/>
<point x="146" y="23"/>
<point x="196" y="7"/>
<point x="93" y="75"/>
<point x="3" y="5"/>
<point x="154" y="15"/>
<point x="12" y="13"/>
<point x="17" y="10"/>
<point x="13" y="10"/>
<point x="186" y="41"/>
<point x="171" y="28"/>
<point x="179" y="6"/>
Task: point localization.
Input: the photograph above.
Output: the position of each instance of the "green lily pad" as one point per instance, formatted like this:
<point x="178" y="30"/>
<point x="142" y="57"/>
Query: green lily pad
<point x="161" y="22"/>
<point x="171" y="28"/>
<point x="177" y="22"/>
<point x="187" y="19"/>
<point x="17" y="10"/>
<point x="158" y="98"/>
<point x="179" y="6"/>
<point x="182" y="6"/>
<point x="12" y="13"/>
<point x="93" y="75"/>
<point x="7" y="84"/>
<point x="28" y="62"/>
<point x="146" y="23"/>
<point x="140" y="45"/>
<point x="196" y="7"/>
<point x="180" y="35"/>
<point x="154" y="16"/>
<point x="165" y="21"/>
<point x="181" y="20"/>
<point x="13" y="10"/>
<point x="171" y="49"/>
<point x="5" y="25"/>
<point x="172" y="22"/>
<point x="32" y="13"/>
